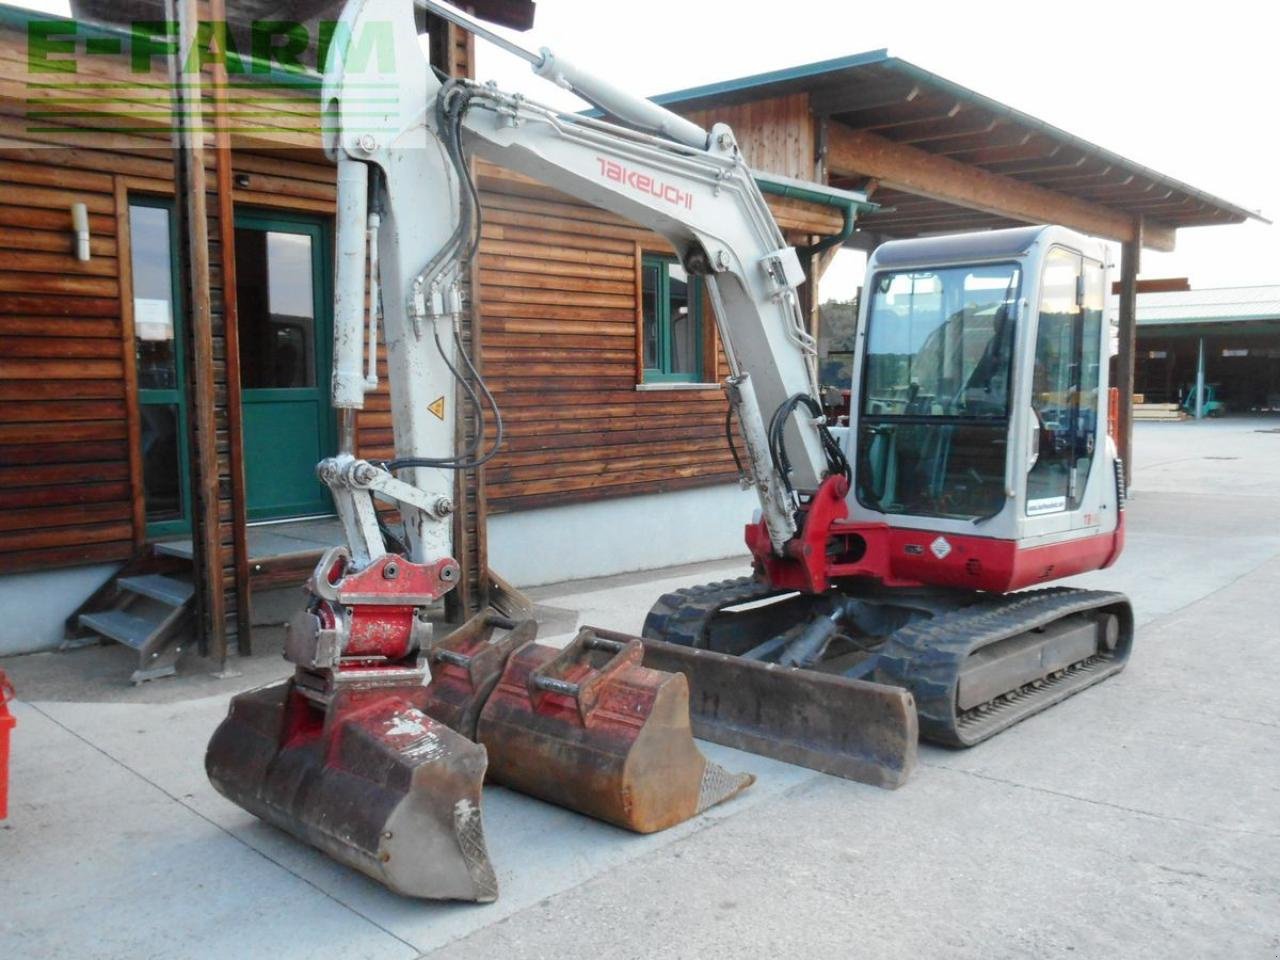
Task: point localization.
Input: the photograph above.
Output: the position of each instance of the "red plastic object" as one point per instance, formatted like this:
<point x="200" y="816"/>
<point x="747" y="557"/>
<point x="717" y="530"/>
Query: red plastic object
<point x="7" y="723"/>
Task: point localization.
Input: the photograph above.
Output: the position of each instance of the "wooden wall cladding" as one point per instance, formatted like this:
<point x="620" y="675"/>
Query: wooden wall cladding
<point x="66" y="493"/>
<point x="775" y="135"/>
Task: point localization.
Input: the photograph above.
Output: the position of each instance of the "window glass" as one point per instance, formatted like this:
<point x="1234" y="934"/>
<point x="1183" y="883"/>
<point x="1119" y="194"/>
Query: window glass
<point x="150" y="257"/>
<point x="932" y="439"/>
<point x="160" y="458"/>
<point x="671" y="338"/>
<point x="685" y="331"/>
<point x="275" y="296"/>
<point x="940" y="343"/>
<point x="1055" y="383"/>
<point x="650" y="311"/>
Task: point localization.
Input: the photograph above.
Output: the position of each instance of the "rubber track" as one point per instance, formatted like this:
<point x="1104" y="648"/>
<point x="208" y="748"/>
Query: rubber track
<point x="927" y="657"/>
<point x="682" y="616"/>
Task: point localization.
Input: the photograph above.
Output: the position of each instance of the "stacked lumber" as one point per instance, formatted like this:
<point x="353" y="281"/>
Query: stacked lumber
<point x="1158" y="411"/>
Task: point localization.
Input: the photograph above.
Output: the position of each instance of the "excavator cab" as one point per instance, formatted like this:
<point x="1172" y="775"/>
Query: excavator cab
<point x="979" y="407"/>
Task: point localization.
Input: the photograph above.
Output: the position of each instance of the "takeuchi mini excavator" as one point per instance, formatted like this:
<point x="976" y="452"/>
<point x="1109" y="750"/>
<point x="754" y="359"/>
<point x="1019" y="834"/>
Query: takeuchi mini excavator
<point x="887" y="598"/>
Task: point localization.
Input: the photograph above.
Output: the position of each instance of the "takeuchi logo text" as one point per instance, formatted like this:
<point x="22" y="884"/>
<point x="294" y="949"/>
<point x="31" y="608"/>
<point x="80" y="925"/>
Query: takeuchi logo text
<point x="645" y="183"/>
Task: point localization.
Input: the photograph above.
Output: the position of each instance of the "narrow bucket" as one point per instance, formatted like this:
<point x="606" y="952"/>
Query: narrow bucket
<point x="589" y="728"/>
<point x="466" y="665"/>
<point x="371" y="780"/>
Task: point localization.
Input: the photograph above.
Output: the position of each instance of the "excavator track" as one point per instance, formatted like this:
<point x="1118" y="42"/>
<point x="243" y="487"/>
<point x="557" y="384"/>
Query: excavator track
<point x="933" y="658"/>
<point x="685" y="616"/>
<point x="974" y="671"/>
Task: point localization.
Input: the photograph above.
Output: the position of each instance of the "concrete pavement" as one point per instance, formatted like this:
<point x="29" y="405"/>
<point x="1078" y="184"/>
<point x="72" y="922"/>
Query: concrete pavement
<point x="1137" y="819"/>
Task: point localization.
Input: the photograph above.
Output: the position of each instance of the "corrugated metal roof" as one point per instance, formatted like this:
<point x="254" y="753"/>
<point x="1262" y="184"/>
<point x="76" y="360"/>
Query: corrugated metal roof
<point x="1221" y="305"/>
<point x="909" y="105"/>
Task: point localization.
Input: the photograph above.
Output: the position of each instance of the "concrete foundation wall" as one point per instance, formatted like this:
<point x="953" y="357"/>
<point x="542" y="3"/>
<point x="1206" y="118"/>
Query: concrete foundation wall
<point x="574" y="542"/>
<point x="529" y="548"/>
<point x="34" y="606"/>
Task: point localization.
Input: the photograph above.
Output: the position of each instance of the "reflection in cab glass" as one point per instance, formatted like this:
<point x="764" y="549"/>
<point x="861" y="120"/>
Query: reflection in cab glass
<point x="932" y="437"/>
<point x="1064" y="383"/>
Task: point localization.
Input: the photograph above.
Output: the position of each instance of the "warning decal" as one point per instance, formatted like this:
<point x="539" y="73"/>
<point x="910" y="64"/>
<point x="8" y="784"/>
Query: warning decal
<point x="436" y="406"/>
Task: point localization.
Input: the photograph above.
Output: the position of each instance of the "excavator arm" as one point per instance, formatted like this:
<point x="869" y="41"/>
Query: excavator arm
<point x="406" y="203"/>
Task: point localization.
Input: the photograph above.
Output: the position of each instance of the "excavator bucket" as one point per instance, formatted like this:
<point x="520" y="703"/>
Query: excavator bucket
<point x="466" y="665"/>
<point x="589" y="728"/>
<point x="371" y="780"/>
<point x="848" y="728"/>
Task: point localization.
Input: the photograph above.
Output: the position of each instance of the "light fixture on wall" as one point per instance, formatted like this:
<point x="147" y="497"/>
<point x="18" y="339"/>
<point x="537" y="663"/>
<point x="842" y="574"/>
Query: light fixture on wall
<point x="80" y="223"/>
<point x="242" y="180"/>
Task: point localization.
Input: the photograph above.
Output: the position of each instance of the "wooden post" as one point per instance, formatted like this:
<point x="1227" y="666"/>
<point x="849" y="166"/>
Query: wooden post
<point x="1130" y="259"/>
<point x="231" y="332"/>
<point x="193" y="223"/>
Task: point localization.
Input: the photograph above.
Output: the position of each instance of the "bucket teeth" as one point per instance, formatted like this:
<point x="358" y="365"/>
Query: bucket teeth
<point x="589" y="728"/>
<point x="373" y="781"/>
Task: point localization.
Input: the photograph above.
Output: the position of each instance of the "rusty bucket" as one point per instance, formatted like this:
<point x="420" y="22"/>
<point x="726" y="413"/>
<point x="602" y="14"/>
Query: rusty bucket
<point x="466" y="665"/>
<point x="589" y="728"/>
<point x="368" y="777"/>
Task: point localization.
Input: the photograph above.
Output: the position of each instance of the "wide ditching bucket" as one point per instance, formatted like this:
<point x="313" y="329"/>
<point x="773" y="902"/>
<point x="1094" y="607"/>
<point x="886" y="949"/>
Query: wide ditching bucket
<point x="369" y="778"/>
<point x="848" y="728"/>
<point x="592" y="729"/>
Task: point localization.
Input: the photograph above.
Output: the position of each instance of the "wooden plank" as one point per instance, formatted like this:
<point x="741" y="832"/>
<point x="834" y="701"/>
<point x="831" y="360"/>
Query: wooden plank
<point x="43" y="538"/>
<point x="224" y="163"/>
<point x="59" y="243"/>
<point x="20" y="561"/>
<point x="59" y="369"/>
<point x="11" y="282"/>
<point x="57" y="462"/>
<point x="901" y="167"/>
<point x="43" y="518"/>
<point x="60" y="389"/>
<point x="62" y="410"/>
<point x="12" y="498"/>
<point x="37" y="347"/>
<point x="27" y="305"/>
<point x="193" y="225"/>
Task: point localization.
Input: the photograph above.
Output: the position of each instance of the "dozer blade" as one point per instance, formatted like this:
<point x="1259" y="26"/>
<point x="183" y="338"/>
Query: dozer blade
<point x="589" y="728"/>
<point x="372" y="781"/>
<point x="466" y="665"/>
<point x="849" y="728"/>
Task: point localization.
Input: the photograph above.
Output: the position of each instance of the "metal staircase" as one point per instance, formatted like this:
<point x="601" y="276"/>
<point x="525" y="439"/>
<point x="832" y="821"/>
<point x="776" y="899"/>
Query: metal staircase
<point x="148" y="607"/>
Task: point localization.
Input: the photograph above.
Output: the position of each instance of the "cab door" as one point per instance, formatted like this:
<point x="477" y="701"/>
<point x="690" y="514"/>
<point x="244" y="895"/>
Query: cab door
<point x="1066" y="382"/>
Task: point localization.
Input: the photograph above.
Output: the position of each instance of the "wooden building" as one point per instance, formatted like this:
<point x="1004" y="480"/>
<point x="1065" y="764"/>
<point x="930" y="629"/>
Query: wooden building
<point x="174" y="384"/>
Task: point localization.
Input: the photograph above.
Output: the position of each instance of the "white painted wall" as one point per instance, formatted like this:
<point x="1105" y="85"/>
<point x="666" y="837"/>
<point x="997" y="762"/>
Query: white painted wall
<point x="35" y="606"/>
<point x="528" y="548"/>
<point x="533" y="547"/>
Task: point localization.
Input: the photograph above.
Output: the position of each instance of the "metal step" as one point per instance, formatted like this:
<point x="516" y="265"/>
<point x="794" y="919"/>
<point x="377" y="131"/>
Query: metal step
<point x="183" y="549"/>
<point x="157" y="586"/>
<point x="122" y="626"/>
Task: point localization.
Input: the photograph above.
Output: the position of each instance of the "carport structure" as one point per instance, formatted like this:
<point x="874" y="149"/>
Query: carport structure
<point x="940" y="158"/>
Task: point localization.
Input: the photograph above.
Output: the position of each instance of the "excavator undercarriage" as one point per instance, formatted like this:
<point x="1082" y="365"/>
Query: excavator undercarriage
<point x="975" y="664"/>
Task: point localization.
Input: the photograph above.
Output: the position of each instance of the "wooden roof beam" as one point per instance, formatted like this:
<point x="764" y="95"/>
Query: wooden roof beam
<point x="902" y="167"/>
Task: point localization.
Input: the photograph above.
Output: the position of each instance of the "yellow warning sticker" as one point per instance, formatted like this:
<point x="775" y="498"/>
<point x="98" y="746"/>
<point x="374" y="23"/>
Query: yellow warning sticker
<point x="436" y="406"/>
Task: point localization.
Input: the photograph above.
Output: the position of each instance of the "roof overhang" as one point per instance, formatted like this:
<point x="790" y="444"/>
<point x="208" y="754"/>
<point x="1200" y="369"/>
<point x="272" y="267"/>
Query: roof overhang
<point x="942" y="158"/>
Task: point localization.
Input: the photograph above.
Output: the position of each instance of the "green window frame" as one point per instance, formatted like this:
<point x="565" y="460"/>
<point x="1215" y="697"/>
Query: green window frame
<point x="661" y="331"/>
<point x="174" y="396"/>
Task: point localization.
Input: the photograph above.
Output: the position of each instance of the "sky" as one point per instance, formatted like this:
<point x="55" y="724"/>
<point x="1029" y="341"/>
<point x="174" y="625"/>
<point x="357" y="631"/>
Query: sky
<point x="1186" y="89"/>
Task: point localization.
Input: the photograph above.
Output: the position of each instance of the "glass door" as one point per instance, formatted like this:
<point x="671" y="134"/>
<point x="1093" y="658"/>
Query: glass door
<point x="284" y="291"/>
